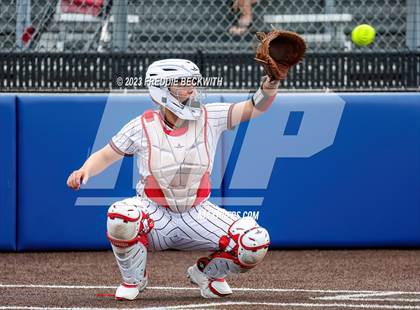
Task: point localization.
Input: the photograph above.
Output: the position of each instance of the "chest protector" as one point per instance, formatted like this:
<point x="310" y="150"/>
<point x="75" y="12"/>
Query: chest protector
<point x="178" y="162"/>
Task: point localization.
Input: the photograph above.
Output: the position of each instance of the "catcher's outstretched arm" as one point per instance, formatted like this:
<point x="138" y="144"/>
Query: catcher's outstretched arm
<point x="277" y="51"/>
<point x="258" y="104"/>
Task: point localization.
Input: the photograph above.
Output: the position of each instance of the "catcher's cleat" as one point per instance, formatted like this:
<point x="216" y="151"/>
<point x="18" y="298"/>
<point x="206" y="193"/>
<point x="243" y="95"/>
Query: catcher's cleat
<point x="209" y="288"/>
<point x="130" y="291"/>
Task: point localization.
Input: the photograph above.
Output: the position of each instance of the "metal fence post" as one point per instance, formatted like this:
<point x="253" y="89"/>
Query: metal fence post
<point x="413" y="25"/>
<point x="23" y="20"/>
<point x="120" y="35"/>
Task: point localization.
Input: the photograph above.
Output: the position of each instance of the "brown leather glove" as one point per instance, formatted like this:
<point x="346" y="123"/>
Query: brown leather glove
<point x="278" y="51"/>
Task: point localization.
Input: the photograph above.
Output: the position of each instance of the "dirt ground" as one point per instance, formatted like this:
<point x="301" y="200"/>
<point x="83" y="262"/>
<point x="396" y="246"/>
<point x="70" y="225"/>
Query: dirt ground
<point x="298" y="279"/>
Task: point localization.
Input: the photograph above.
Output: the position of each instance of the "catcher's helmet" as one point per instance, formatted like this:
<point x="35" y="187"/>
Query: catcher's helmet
<point x="159" y="76"/>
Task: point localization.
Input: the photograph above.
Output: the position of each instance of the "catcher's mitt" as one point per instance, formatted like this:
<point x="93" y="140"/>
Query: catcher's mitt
<point x="278" y="51"/>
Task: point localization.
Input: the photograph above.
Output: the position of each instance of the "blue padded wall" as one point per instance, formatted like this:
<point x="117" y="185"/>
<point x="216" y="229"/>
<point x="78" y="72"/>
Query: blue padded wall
<point x="7" y="172"/>
<point x="363" y="190"/>
<point x="318" y="170"/>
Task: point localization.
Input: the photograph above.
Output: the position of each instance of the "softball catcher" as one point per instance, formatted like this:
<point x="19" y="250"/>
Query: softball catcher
<point x="176" y="145"/>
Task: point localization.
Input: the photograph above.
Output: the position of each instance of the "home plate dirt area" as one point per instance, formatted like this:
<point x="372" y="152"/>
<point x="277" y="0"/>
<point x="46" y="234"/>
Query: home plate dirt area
<point x="287" y="279"/>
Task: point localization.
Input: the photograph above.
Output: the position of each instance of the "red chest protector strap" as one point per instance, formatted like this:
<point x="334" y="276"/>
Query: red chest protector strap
<point x="155" y="193"/>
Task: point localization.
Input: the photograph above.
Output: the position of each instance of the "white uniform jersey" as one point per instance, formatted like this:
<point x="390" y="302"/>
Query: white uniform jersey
<point x="132" y="140"/>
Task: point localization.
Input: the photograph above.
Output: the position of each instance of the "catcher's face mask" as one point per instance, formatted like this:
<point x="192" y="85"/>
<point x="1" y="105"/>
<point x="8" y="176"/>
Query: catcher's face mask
<point x="188" y="98"/>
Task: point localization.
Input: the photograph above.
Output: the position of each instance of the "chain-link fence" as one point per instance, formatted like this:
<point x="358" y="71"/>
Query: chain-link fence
<point x="211" y="26"/>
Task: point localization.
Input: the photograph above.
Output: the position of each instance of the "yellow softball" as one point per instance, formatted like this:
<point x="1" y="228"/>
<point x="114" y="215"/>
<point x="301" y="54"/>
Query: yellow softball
<point x="363" y="35"/>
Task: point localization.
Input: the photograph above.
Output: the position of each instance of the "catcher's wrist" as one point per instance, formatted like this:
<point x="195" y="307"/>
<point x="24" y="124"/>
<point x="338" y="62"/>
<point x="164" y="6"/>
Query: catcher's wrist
<point x="269" y="84"/>
<point x="261" y="100"/>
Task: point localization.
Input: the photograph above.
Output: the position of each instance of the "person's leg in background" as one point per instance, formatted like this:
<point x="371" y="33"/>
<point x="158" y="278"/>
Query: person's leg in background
<point x="245" y="20"/>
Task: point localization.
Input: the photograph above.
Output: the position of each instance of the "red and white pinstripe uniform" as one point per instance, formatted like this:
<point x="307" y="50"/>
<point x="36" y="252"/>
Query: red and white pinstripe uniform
<point x="196" y="228"/>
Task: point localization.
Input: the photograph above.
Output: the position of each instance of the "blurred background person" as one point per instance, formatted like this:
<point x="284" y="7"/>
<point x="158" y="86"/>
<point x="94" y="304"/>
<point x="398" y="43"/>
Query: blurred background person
<point x="245" y="20"/>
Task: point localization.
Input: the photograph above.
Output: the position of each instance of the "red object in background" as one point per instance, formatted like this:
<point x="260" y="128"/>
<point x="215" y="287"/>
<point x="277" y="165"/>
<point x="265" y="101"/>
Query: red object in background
<point x="27" y="34"/>
<point x="91" y="7"/>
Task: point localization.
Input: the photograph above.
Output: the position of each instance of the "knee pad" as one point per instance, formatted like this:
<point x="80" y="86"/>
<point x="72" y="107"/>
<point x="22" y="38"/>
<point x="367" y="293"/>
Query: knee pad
<point x="241" y="250"/>
<point x="246" y="241"/>
<point x="127" y="225"/>
<point x="251" y="241"/>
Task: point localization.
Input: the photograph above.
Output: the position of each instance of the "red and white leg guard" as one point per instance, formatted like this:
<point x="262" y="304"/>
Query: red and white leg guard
<point x="241" y="250"/>
<point x="220" y="264"/>
<point x="209" y="288"/>
<point x="127" y="227"/>
<point x="209" y="274"/>
<point x="244" y="247"/>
